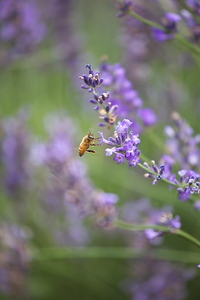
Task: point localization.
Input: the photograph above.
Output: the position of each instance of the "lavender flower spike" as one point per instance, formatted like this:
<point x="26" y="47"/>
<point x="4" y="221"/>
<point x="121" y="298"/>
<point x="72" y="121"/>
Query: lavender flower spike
<point x="92" y="80"/>
<point x="124" y="144"/>
<point x="93" y="83"/>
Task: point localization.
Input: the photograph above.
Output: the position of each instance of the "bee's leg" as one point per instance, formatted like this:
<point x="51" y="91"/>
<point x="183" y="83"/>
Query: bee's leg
<point x="92" y="151"/>
<point x="96" y="138"/>
<point x="95" y="145"/>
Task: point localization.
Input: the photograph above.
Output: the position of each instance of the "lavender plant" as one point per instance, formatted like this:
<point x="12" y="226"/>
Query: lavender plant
<point x="51" y="184"/>
<point x="150" y="277"/>
<point x="125" y="146"/>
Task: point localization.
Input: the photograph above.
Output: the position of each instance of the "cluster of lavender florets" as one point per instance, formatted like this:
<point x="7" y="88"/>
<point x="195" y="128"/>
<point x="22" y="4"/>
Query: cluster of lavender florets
<point x="126" y="98"/>
<point x="124" y="144"/>
<point x="93" y="84"/>
<point x="181" y="145"/>
<point x="122" y="101"/>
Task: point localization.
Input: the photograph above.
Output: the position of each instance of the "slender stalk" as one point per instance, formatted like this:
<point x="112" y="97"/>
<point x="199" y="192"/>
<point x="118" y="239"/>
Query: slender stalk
<point x="146" y="21"/>
<point x="181" y="39"/>
<point x="136" y="227"/>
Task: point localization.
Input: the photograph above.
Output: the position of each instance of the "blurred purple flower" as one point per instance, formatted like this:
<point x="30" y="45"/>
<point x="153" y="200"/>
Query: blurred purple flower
<point x="124" y="7"/>
<point x="15" y="259"/>
<point x="148" y="116"/>
<point x="194" y="5"/>
<point x="197" y="205"/>
<point x="157" y="280"/>
<point x="182" y="144"/>
<point x="192" y="22"/>
<point x="122" y="95"/>
<point x="165" y="219"/>
<point x="105" y="209"/>
<point x="15" y="148"/>
<point x="66" y="39"/>
<point x="20" y="27"/>
<point x="169" y="23"/>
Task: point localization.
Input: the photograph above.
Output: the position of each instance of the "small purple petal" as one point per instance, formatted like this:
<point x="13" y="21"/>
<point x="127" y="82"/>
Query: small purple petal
<point x="161" y="36"/>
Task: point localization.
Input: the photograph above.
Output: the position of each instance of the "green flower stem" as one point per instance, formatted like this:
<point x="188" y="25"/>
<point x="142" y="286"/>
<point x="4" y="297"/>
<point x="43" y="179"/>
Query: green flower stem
<point x="188" y="45"/>
<point x="136" y="227"/>
<point x="54" y="253"/>
<point x="152" y="172"/>
<point x="181" y="39"/>
<point x="146" y="21"/>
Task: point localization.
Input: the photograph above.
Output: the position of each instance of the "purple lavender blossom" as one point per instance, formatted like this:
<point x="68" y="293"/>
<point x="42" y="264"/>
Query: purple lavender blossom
<point x="156" y="172"/>
<point x="106" y="110"/>
<point x="21" y="29"/>
<point x="192" y="23"/>
<point x="197" y="205"/>
<point x="16" y="258"/>
<point x="190" y="182"/>
<point x="182" y="144"/>
<point x="143" y="212"/>
<point x="136" y="42"/>
<point x="124" y="7"/>
<point x="15" y="149"/>
<point x="194" y="5"/>
<point x="66" y="40"/>
<point x="182" y="147"/>
<point x="187" y="185"/>
<point x="165" y="219"/>
<point x="122" y="102"/>
<point x="157" y="280"/>
<point x="128" y="101"/>
<point x="124" y="144"/>
<point x="105" y="209"/>
<point x="169" y="23"/>
<point x="66" y="190"/>
<point x="148" y="116"/>
<point x="92" y="80"/>
<point x="150" y="278"/>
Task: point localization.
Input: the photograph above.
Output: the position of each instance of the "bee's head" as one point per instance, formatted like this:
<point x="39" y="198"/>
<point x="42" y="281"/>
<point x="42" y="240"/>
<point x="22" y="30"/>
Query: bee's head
<point x="90" y="135"/>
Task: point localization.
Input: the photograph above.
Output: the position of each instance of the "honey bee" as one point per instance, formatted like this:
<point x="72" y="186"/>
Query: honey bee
<point x="87" y="142"/>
